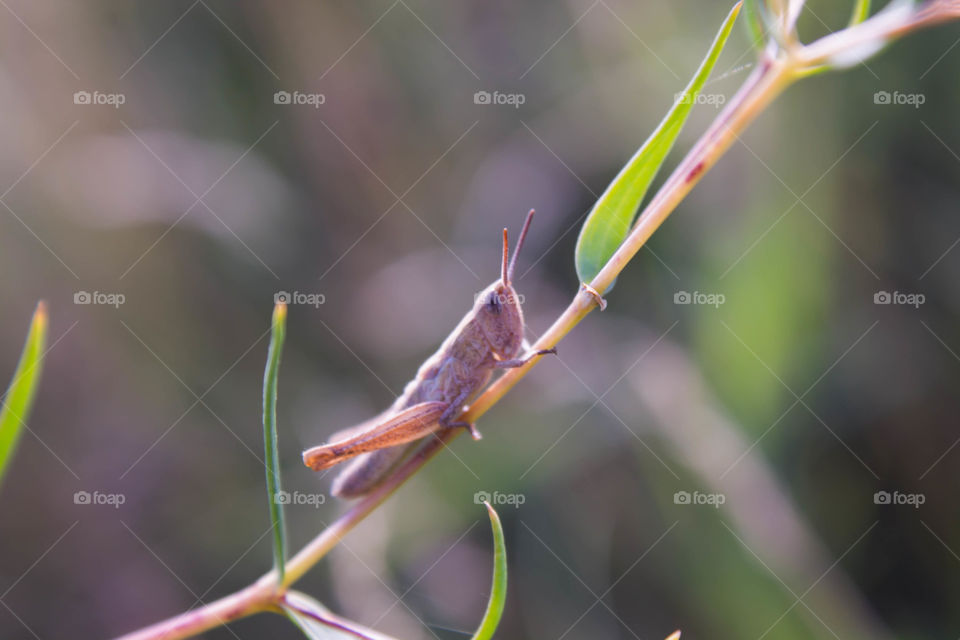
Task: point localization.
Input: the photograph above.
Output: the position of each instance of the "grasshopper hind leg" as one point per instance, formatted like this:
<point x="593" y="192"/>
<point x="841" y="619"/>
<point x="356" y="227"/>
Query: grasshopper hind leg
<point x="366" y="472"/>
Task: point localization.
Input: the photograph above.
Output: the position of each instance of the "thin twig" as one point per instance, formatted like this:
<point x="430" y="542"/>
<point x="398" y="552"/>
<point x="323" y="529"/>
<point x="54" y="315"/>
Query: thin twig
<point x="767" y="81"/>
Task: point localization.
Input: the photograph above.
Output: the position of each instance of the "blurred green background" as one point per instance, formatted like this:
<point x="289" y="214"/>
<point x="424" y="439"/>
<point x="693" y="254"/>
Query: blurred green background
<point x="199" y="198"/>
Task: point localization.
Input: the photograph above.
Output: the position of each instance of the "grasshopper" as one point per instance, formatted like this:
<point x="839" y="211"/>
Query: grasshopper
<point x="489" y="337"/>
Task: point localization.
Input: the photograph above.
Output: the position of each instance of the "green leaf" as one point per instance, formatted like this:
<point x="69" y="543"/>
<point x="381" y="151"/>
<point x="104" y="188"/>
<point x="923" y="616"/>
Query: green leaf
<point x="18" y="399"/>
<point x="753" y="21"/>
<point x="277" y="334"/>
<point x="498" y="592"/>
<point x="861" y="10"/>
<point x="318" y="623"/>
<point x="612" y="216"/>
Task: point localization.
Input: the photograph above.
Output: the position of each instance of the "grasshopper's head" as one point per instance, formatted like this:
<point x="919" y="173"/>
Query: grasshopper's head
<point x="498" y="310"/>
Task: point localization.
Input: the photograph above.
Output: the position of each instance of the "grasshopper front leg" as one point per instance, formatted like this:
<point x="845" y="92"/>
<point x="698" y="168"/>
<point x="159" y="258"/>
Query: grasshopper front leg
<point x="399" y="428"/>
<point x="519" y="362"/>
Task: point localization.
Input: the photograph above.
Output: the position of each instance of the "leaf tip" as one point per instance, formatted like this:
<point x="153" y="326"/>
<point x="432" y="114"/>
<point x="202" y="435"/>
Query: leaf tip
<point x="280" y="312"/>
<point x="40" y="316"/>
<point x="674" y="636"/>
<point x="498" y="590"/>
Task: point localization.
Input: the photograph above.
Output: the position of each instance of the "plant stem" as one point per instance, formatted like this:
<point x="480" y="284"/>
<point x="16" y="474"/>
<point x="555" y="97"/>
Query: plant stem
<point x="773" y="74"/>
<point x="299" y="564"/>
<point x="256" y="598"/>
<point x="265" y="593"/>
<point x="270" y="437"/>
<point x="760" y="89"/>
<point x="879" y="29"/>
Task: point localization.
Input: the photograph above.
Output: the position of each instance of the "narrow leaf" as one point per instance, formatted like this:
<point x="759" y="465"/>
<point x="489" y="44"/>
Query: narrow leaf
<point x="318" y="623"/>
<point x="277" y="334"/>
<point x="18" y="399"/>
<point x="860" y="12"/>
<point x="753" y="21"/>
<point x="612" y="216"/>
<point x="498" y="592"/>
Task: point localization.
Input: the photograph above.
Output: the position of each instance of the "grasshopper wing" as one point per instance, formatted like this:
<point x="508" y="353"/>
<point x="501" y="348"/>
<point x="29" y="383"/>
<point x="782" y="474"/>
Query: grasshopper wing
<point x="398" y="428"/>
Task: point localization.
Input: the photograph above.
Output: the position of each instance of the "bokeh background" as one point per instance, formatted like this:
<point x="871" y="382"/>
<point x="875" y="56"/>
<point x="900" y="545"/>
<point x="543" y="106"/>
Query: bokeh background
<point x="198" y="198"/>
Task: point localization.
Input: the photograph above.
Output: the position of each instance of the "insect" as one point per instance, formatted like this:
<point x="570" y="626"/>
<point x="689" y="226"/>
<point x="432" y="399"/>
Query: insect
<point x="489" y="337"/>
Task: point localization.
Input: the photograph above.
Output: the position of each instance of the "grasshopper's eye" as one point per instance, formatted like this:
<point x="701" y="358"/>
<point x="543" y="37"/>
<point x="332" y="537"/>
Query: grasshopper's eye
<point x="493" y="303"/>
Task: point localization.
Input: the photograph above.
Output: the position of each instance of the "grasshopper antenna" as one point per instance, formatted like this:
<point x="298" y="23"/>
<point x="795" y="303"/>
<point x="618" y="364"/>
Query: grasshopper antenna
<point x="516" y="250"/>
<point x="504" y="269"/>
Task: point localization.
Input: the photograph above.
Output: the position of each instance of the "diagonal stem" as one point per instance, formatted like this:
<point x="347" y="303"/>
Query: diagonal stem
<point x="759" y="90"/>
<point x="769" y="79"/>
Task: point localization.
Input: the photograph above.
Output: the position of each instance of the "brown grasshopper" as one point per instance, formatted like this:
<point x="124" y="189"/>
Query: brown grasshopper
<point x="489" y="337"/>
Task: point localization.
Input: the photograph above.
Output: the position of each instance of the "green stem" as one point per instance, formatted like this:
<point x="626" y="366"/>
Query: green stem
<point x="278" y="334"/>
